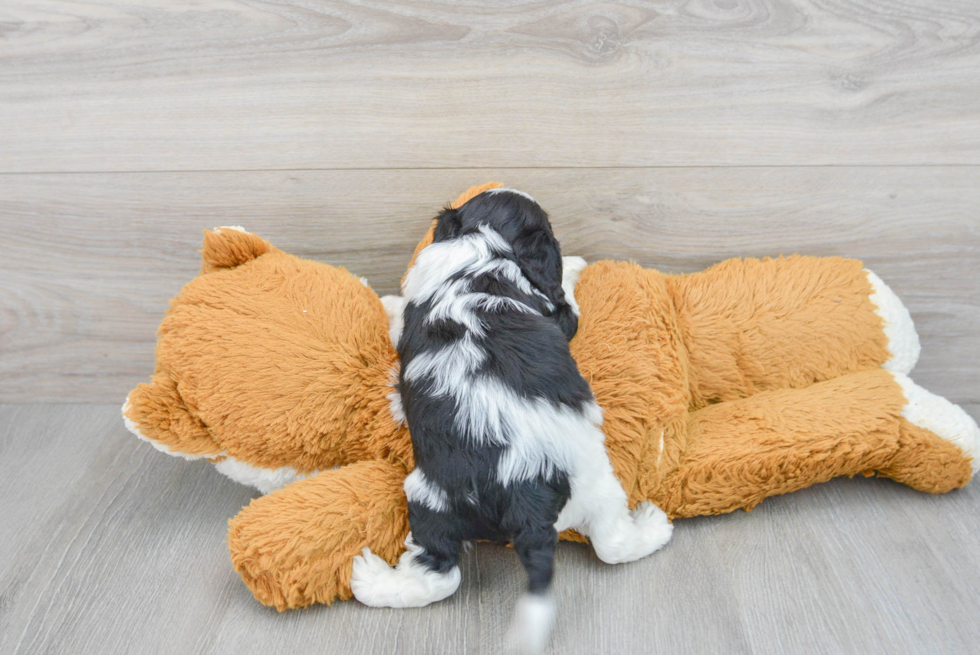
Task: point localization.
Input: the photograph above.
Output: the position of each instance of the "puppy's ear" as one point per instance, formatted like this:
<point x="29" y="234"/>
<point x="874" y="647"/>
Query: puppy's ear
<point x="448" y="225"/>
<point x="539" y="257"/>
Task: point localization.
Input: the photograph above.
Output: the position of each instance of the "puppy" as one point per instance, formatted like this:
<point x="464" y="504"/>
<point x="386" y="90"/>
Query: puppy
<point x="504" y="428"/>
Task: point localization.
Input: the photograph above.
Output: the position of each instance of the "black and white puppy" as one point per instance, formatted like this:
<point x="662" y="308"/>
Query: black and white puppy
<point x="504" y="428"/>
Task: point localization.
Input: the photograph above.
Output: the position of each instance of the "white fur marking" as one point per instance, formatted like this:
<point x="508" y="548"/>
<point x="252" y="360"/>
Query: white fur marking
<point x="539" y="435"/>
<point x="420" y="489"/>
<point x="409" y="584"/>
<point x="617" y="534"/>
<point x="903" y="341"/>
<point x="935" y="413"/>
<point x="531" y="626"/>
<point x="437" y="262"/>
<point x="473" y="254"/>
<point x="450" y="368"/>
<point x="237" y="228"/>
<point x="456" y="303"/>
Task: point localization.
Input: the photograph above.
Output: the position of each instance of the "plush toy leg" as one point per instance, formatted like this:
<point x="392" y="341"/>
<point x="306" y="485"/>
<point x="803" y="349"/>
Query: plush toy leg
<point x="296" y="546"/>
<point x="754" y="325"/>
<point x="939" y="443"/>
<point x="740" y="452"/>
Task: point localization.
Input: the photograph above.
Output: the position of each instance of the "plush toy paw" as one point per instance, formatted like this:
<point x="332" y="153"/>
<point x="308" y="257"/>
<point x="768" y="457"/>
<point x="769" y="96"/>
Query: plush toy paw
<point x="642" y="532"/>
<point x="409" y="584"/>
<point x="945" y="419"/>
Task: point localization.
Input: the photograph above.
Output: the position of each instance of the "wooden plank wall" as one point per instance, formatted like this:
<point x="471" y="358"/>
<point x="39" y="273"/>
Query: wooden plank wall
<point x="91" y="259"/>
<point x="676" y="133"/>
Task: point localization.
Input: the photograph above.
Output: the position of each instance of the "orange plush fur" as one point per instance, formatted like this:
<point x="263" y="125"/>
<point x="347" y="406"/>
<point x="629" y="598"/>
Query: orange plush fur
<point x="721" y="388"/>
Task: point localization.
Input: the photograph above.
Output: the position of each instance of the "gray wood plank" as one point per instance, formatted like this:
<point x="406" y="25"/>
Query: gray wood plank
<point x="232" y="85"/>
<point x="857" y="566"/>
<point x="116" y="548"/>
<point x="91" y="260"/>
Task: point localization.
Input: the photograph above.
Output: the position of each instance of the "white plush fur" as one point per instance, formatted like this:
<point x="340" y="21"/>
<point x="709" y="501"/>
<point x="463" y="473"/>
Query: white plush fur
<point x="571" y="268"/>
<point x="263" y="479"/>
<point x="935" y="413"/>
<point x="395" y="308"/>
<point x="531" y="626"/>
<point x="394" y="398"/>
<point x="903" y="340"/>
<point x="419" y="489"/>
<point x="408" y="584"/>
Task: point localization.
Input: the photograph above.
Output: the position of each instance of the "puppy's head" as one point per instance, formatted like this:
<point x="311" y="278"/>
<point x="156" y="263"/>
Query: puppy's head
<point x="523" y="224"/>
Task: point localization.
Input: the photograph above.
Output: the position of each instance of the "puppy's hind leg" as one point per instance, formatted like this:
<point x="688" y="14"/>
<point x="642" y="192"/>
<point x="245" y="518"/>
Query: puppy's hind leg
<point x="600" y="510"/>
<point x="427" y="571"/>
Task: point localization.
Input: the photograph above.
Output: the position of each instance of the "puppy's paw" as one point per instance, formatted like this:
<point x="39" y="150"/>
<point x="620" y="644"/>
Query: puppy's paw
<point x="409" y="584"/>
<point x="653" y="528"/>
<point x="370" y="578"/>
<point x="641" y="532"/>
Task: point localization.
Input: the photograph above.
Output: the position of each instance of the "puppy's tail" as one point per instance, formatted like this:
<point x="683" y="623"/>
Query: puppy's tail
<point x="534" y="616"/>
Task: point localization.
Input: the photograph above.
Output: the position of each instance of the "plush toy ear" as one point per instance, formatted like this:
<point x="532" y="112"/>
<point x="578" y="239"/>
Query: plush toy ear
<point x="539" y="256"/>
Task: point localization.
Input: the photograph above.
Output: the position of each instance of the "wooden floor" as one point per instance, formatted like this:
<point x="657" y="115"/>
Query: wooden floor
<point x="111" y="547"/>
<point x="673" y="132"/>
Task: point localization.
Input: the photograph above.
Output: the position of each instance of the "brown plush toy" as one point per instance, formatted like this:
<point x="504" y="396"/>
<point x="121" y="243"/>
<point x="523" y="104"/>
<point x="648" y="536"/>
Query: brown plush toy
<point x="752" y="378"/>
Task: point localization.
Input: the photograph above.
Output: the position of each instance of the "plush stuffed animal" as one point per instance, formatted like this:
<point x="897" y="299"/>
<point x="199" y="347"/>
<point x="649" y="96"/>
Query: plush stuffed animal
<point x="720" y="388"/>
